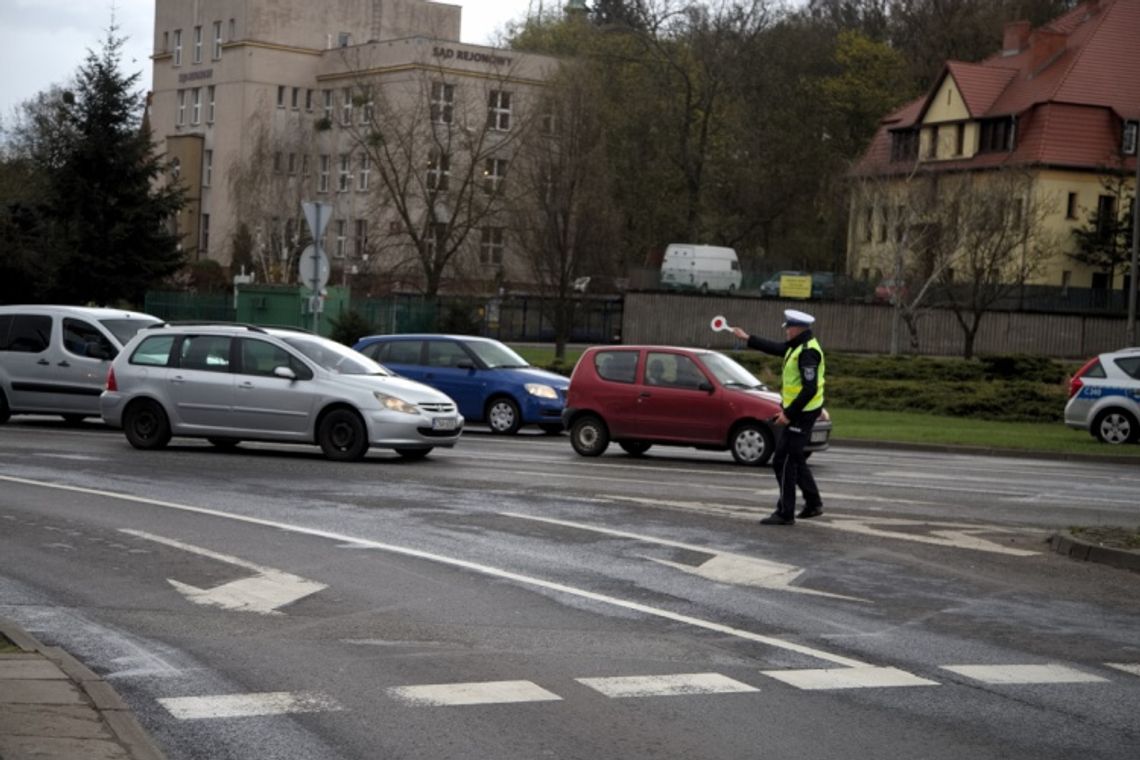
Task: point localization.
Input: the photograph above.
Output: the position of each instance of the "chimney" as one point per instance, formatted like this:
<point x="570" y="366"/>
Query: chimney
<point x="1016" y="37"/>
<point x="1045" y="45"/>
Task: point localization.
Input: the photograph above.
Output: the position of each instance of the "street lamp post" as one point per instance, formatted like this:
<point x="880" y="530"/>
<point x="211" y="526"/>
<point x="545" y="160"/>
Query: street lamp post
<point x="1133" y="282"/>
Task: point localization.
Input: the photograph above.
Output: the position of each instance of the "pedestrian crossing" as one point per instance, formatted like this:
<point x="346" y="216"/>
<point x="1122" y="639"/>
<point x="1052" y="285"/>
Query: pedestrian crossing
<point x="641" y="686"/>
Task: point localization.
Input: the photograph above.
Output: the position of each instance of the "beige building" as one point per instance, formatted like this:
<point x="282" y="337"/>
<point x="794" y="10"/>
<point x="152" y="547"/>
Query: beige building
<point x="373" y="107"/>
<point x="1050" y="117"/>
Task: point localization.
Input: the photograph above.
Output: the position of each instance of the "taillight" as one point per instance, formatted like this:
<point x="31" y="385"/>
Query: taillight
<point x="1075" y="383"/>
<point x="111" y="384"/>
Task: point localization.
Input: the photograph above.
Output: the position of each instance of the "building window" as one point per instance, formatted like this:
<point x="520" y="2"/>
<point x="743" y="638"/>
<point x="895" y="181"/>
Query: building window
<point x="341" y="237"/>
<point x="278" y="160"/>
<point x="328" y="96"/>
<point x="369" y="107"/>
<point x="442" y="102"/>
<point x="1071" y="207"/>
<point x="1066" y="281"/>
<point x="932" y="151"/>
<point x="360" y="239"/>
<point x="1105" y="217"/>
<point x="439" y="170"/>
<point x="207" y="168"/>
<point x="281" y="96"/>
<point x="197" y="44"/>
<point x="868" y="224"/>
<point x="296" y="102"/>
<point x="196" y="105"/>
<point x="904" y="145"/>
<point x="499" y="111"/>
<point x="1128" y="145"/>
<point x="344" y="183"/>
<point x="165" y="41"/>
<point x="293" y="163"/>
<point x="346" y="106"/>
<point x="436" y="239"/>
<point x="217" y="40"/>
<point x="996" y="135"/>
<point x="549" y="121"/>
<point x="491" y="246"/>
<point x="233" y="29"/>
<point x="177" y="47"/>
<point x="884" y="230"/>
<point x="365" y="172"/>
<point x="494" y="172"/>
<point x="204" y="240"/>
<point x="344" y="39"/>
<point x="323" y="174"/>
<point x="308" y="100"/>
<point x="181" y="108"/>
<point x="210" y="104"/>
<point x="960" y="140"/>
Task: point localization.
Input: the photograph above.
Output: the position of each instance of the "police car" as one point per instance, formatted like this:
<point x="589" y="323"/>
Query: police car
<point x="1104" y="397"/>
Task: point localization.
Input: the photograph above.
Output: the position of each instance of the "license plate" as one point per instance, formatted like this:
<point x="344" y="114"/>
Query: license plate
<point x="819" y="437"/>
<point x="444" y="423"/>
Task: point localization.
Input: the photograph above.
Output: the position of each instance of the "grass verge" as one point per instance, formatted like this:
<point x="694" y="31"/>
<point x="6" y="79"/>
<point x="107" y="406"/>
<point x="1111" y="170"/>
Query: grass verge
<point x="1117" y="538"/>
<point x="6" y="646"/>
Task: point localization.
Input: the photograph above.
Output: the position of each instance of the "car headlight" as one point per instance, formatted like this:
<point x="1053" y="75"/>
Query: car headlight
<point x="542" y="391"/>
<point x="395" y="404"/>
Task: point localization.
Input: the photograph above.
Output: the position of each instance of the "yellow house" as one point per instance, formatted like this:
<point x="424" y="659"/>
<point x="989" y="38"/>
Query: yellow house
<point x="1057" y="105"/>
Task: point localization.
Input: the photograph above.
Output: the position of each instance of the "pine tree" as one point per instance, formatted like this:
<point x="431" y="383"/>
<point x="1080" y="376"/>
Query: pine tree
<point x="112" y="221"/>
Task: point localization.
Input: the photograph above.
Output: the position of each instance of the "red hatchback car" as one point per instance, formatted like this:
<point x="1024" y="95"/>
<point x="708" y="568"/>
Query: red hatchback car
<point x="639" y="396"/>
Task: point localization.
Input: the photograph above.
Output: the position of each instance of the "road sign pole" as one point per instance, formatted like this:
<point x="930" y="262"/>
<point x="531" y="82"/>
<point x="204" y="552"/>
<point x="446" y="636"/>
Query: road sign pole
<point x="317" y="276"/>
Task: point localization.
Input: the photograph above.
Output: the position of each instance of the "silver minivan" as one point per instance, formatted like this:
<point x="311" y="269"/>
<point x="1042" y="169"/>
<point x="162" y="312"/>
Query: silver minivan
<point x="230" y="383"/>
<point x="54" y="359"/>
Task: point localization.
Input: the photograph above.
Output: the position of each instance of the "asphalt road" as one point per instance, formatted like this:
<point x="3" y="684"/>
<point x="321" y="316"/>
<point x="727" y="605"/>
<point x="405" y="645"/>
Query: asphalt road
<point x="508" y="599"/>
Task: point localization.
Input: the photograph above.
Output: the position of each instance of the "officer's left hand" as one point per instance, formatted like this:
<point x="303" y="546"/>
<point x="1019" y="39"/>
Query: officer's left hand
<point x="781" y="419"/>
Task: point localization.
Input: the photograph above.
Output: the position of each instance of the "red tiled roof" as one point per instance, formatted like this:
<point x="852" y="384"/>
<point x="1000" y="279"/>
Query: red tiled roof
<point x="1068" y="106"/>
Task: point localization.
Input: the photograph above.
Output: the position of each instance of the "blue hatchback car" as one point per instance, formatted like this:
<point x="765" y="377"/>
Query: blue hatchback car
<point x="489" y="381"/>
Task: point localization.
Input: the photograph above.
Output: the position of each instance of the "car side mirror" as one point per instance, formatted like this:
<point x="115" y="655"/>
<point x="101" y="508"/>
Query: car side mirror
<point x="706" y="386"/>
<point x="467" y="364"/>
<point x="284" y="372"/>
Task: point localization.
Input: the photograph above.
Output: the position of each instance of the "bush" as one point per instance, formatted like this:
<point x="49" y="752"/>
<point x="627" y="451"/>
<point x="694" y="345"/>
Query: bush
<point x="1015" y="401"/>
<point x="1039" y="369"/>
<point x="350" y="327"/>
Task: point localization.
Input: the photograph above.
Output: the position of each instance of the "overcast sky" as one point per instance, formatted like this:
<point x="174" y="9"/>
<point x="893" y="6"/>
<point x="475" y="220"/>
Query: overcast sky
<point x="43" y="42"/>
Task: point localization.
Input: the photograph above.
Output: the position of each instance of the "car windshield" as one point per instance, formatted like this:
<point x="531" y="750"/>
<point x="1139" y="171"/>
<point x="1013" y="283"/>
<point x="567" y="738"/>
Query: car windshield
<point x="729" y="373"/>
<point x="333" y="356"/>
<point x="125" y="329"/>
<point x="496" y="356"/>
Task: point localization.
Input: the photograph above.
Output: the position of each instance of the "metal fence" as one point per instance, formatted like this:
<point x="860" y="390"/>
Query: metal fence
<point x="181" y="306"/>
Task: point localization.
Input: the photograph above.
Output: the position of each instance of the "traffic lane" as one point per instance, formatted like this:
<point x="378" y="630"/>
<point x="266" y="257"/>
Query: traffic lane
<point x="513" y="648"/>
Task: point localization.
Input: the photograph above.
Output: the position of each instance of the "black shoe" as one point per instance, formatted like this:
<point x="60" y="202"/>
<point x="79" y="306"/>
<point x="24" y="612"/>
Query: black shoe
<point x="809" y="512"/>
<point x="778" y="520"/>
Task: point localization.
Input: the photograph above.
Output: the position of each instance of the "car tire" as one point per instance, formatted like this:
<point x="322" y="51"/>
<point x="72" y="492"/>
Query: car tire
<point x="5" y="410"/>
<point x="342" y="436"/>
<point x="589" y="436"/>
<point x="413" y="455"/>
<point x="1115" y="426"/>
<point x="225" y="444"/>
<point x="503" y="416"/>
<point x="146" y="425"/>
<point x="73" y="419"/>
<point x="635" y="448"/>
<point x="552" y="428"/>
<point x="751" y="444"/>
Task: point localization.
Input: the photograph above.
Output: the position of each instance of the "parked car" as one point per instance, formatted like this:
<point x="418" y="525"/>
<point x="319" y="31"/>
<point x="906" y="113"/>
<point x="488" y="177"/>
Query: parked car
<point x="889" y="291"/>
<point x="490" y="382"/>
<point x="54" y="359"/>
<point x="641" y="396"/>
<point x="822" y="284"/>
<point x="1104" y="397"/>
<point x="231" y="383"/>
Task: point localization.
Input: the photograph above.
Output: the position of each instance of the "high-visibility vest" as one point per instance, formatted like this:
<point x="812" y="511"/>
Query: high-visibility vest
<point x="792" y="382"/>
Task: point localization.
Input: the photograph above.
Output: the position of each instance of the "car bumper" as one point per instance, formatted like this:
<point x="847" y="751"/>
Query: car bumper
<point x="537" y="410"/>
<point x="820" y="437"/>
<point x="1077" y="412"/>
<point x="397" y="430"/>
<point x="111" y="408"/>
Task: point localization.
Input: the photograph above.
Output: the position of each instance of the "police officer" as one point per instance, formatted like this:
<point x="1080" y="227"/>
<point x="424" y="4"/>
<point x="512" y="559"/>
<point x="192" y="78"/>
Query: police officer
<point x="801" y="389"/>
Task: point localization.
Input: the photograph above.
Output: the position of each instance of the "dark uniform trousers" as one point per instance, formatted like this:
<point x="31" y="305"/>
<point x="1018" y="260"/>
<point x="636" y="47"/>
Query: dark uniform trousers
<point x="791" y="466"/>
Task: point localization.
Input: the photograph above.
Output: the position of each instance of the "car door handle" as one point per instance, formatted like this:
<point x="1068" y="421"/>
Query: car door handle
<point x="64" y="363"/>
<point x="247" y="385"/>
<point x="178" y="379"/>
<point x="44" y="362"/>
<point x="645" y="394"/>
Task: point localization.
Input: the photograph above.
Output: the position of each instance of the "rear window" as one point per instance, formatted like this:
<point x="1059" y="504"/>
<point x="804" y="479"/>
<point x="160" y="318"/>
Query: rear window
<point x="401" y="352"/>
<point x="1131" y="366"/>
<point x="153" y="351"/>
<point x="125" y="329"/>
<point x="1096" y="369"/>
<point x="616" y="366"/>
<point x="210" y="353"/>
<point x="27" y="333"/>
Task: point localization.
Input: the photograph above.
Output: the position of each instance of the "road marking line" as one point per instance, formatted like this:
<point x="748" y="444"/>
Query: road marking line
<point x="263" y="593"/>
<point x="1127" y="667"/>
<point x="686" y="684"/>
<point x="957" y="539"/>
<point x="848" y="678"/>
<point x="466" y="565"/>
<point x="1024" y="674"/>
<point x="248" y="705"/>
<point x="479" y="693"/>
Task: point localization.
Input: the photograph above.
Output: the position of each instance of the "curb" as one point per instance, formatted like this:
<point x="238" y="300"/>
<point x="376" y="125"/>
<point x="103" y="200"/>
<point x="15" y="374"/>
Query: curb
<point x="121" y="722"/>
<point x="1067" y="544"/>
<point x="989" y="451"/>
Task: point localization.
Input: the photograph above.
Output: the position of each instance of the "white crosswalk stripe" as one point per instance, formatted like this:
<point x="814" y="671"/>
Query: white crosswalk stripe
<point x="248" y="705"/>
<point x="848" y="678"/>
<point x="479" y="693"/>
<point x="686" y="684"/>
<point x="1024" y="674"/>
<point x="1127" y="667"/>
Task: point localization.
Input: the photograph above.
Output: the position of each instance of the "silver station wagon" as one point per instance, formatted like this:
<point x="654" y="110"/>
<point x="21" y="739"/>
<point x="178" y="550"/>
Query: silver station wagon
<point x="231" y="383"/>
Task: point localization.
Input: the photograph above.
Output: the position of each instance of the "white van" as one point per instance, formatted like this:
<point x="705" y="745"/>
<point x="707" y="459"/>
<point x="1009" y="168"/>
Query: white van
<point x="701" y="267"/>
<point x="54" y="359"/>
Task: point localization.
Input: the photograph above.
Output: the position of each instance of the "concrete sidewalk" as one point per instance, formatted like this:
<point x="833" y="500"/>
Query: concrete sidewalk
<point x="53" y="708"/>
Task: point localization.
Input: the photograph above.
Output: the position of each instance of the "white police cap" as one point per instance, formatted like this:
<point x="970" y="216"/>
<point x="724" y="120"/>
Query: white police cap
<point x="796" y="318"/>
